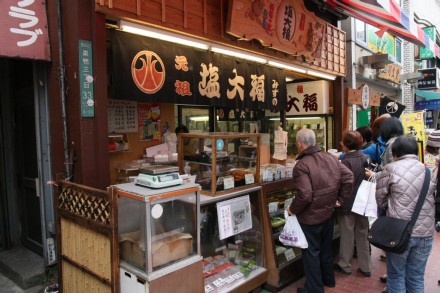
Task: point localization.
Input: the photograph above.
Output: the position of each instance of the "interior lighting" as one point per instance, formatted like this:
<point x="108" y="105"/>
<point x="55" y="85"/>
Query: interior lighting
<point x="238" y="54"/>
<point x="286" y="66"/>
<point x="320" y="74"/>
<point x="296" y="118"/>
<point x="161" y="35"/>
<point x="155" y="33"/>
<point x="199" y="118"/>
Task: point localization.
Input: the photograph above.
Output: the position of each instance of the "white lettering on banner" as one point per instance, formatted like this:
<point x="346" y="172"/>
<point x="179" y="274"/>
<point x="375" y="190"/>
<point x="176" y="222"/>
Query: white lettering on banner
<point x="30" y="20"/>
<point x="209" y="86"/>
<point x="257" y="91"/>
<point x="275" y="86"/>
<point x="237" y="83"/>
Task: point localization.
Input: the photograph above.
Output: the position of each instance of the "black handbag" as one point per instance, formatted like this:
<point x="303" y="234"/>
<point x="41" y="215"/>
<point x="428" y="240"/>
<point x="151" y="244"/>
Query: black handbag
<point x="391" y="234"/>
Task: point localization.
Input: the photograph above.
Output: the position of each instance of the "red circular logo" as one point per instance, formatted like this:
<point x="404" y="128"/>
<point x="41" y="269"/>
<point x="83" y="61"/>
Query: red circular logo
<point x="148" y="72"/>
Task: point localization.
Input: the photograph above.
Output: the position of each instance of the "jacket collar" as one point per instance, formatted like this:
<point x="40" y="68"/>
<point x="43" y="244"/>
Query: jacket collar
<point x="309" y="151"/>
<point x="409" y="156"/>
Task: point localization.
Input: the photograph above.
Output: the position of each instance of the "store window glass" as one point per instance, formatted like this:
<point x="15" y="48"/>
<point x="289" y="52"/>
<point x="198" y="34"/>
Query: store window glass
<point x="196" y="119"/>
<point x="361" y="31"/>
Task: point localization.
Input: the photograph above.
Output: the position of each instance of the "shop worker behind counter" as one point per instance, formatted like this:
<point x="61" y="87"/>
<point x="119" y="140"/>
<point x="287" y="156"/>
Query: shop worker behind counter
<point x="321" y="184"/>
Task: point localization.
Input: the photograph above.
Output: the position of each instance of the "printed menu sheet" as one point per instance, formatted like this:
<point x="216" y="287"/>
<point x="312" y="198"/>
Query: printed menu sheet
<point x="122" y="116"/>
<point x="234" y="216"/>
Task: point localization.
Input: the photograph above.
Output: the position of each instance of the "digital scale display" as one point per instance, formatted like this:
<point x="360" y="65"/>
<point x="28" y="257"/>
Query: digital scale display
<point x="166" y="178"/>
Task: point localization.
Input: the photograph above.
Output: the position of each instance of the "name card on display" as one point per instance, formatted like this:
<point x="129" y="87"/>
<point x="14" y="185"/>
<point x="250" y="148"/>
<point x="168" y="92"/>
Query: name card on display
<point x="308" y="98"/>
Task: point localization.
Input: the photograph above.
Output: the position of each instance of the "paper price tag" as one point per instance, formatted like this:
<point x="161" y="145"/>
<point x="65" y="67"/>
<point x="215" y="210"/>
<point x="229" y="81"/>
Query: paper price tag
<point x="228" y="182"/>
<point x="289" y="254"/>
<point x="219" y="282"/>
<point x="249" y="178"/>
<point x="208" y="288"/>
<point x="273" y="207"/>
<point x="229" y="279"/>
<point x="238" y="275"/>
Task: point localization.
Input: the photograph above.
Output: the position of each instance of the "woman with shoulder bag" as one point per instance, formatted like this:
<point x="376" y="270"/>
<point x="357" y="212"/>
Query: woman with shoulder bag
<point x="398" y="188"/>
<point x="353" y="227"/>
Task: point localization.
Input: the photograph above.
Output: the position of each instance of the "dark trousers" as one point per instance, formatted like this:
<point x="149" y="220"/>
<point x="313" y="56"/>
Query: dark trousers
<point x="318" y="257"/>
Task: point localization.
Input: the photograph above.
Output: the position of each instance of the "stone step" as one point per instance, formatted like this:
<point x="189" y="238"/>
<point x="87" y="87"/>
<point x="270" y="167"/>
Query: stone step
<point x="22" y="266"/>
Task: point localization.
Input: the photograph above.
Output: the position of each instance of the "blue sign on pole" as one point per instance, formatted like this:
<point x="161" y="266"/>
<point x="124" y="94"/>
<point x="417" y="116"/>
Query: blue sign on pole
<point x="86" y="79"/>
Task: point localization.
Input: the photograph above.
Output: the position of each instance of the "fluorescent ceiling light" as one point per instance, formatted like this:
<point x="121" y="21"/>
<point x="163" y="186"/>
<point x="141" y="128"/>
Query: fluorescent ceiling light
<point x="199" y="118"/>
<point x="286" y="66"/>
<point x="161" y="35"/>
<point x="320" y="74"/>
<point x="238" y="54"/>
<point x="296" y="118"/>
<point x="289" y="79"/>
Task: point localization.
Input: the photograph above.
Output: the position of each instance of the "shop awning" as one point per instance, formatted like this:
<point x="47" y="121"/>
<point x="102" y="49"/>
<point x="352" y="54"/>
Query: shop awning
<point x="427" y="100"/>
<point x="387" y="16"/>
<point x="428" y="95"/>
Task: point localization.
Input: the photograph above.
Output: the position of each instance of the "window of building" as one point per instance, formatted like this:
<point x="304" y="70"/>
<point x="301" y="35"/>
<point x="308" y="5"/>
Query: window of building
<point x="398" y="50"/>
<point x="361" y="31"/>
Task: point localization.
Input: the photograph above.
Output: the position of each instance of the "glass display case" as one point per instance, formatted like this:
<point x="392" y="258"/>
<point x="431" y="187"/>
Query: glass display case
<point x="221" y="161"/>
<point x="158" y="228"/>
<point x="282" y="260"/>
<point x="322" y="125"/>
<point x="232" y="242"/>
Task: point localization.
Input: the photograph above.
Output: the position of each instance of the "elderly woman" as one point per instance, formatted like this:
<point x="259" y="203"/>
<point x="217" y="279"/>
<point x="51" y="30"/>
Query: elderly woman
<point x="398" y="188"/>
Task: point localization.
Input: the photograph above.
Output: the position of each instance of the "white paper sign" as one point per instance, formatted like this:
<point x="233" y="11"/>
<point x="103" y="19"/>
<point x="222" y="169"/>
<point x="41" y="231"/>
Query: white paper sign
<point x="234" y="216"/>
<point x="249" y="178"/>
<point x="228" y="182"/>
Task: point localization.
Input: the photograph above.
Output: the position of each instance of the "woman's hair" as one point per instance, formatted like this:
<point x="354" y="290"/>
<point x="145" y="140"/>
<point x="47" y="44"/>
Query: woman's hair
<point x="375" y="126"/>
<point x="391" y="127"/>
<point x="352" y="140"/>
<point x="404" y="145"/>
<point x="306" y="136"/>
<point x="366" y="133"/>
<point x="432" y="150"/>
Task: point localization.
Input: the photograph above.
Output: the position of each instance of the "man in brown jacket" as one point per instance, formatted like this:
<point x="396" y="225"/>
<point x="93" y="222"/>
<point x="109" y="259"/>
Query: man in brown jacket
<point x="321" y="183"/>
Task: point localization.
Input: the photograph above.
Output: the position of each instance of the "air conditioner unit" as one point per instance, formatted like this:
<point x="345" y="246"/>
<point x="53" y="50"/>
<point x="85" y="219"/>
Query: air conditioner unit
<point x="377" y="61"/>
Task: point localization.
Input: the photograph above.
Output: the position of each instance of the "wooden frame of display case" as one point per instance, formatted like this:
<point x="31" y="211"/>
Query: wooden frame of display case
<point x="282" y="274"/>
<point x="214" y="136"/>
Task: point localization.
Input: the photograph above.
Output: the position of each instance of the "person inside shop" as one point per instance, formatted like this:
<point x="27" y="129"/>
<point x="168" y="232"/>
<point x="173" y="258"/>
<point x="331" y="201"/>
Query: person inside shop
<point x="353" y="227"/>
<point x="321" y="184"/>
<point x="398" y="188"/>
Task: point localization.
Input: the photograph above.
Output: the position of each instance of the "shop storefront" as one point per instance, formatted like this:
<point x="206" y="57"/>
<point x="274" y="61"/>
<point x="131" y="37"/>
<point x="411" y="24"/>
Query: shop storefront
<point x="111" y="94"/>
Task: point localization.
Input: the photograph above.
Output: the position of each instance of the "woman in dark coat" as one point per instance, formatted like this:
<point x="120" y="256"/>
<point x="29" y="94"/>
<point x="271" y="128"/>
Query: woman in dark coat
<point x="353" y="227"/>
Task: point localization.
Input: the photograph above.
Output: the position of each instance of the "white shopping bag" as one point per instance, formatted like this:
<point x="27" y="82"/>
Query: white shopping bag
<point x="371" y="209"/>
<point x="361" y="200"/>
<point x="292" y="234"/>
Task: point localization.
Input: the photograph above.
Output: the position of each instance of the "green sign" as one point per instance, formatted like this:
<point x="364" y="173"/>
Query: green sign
<point x="363" y="117"/>
<point x="426" y="53"/>
<point x="86" y="79"/>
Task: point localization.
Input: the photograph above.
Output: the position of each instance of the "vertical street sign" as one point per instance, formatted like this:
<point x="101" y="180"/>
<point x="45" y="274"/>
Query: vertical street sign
<point x="86" y="79"/>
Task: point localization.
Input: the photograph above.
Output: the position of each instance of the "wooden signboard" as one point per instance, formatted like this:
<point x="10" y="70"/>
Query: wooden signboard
<point x="354" y="96"/>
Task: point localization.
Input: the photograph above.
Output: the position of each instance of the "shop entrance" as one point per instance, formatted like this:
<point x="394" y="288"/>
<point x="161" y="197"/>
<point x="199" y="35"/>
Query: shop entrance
<point x="20" y="202"/>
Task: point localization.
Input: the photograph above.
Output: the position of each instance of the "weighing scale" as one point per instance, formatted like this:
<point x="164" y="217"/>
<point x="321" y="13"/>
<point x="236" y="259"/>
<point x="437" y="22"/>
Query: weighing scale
<point x="158" y="176"/>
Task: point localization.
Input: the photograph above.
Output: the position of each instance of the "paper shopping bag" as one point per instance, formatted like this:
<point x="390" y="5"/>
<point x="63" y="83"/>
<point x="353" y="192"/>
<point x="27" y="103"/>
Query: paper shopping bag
<point x="361" y="200"/>
<point x="371" y="209"/>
